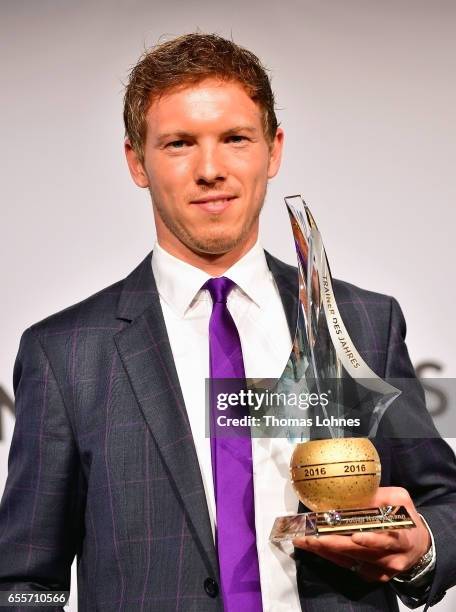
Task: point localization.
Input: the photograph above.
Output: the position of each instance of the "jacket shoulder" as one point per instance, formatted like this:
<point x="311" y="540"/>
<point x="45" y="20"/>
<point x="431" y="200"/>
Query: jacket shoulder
<point x="96" y="312"/>
<point x="349" y="293"/>
<point x="92" y="310"/>
<point x="344" y="291"/>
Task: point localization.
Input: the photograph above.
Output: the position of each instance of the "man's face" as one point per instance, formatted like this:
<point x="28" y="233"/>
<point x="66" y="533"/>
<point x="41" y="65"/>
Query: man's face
<point x="206" y="164"/>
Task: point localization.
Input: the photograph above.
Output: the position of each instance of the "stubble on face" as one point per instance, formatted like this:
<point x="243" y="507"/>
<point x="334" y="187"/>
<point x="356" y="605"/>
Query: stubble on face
<point x="215" y="238"/>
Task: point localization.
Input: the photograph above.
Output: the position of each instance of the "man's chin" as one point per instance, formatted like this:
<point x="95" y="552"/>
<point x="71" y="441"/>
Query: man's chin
<point x="214" y="246"/>
<point x="216" y="243"/>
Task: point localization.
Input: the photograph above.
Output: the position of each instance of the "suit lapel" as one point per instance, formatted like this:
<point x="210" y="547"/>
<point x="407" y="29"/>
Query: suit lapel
<point x="146" y="355"/>
<point x="286" y="278"/>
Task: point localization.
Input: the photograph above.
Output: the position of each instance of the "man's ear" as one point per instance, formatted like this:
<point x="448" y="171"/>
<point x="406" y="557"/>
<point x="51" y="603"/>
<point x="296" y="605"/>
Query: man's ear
<point x="275" y="153"/>
<point x="135" y="165"/>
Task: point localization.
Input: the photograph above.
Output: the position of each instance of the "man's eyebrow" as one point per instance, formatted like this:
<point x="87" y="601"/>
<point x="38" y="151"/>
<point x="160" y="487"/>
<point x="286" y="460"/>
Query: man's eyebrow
<point x="181" y="135"/>
<point x="241" y="128"/>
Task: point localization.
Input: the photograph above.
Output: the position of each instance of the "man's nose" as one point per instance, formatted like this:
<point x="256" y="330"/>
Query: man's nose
<point x="210" y="166"/>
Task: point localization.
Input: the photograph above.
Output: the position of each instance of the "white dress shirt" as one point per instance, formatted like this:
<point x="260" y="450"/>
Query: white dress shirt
<point x="257" y="310"/>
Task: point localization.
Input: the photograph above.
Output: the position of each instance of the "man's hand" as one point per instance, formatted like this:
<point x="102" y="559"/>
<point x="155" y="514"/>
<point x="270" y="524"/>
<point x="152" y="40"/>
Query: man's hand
<point x="376" y="555"/>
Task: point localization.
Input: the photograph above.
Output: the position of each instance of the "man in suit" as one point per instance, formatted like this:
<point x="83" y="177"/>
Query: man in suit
<point x="109" y="459"/>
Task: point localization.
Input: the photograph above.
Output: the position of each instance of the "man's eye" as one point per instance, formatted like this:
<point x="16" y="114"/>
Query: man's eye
<point x="176" y="144"/>
<point x="237" y="138"/>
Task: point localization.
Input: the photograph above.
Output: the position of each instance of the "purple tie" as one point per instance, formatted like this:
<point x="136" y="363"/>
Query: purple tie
<point x="232" y="465"/>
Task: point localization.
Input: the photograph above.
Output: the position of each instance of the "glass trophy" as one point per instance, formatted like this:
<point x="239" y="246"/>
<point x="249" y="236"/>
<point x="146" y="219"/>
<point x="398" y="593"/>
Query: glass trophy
<point x="336" y="472"/>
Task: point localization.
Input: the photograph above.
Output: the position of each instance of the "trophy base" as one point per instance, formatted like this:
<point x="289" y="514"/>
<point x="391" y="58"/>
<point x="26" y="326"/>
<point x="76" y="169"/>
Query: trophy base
<point x="340" y="522"/>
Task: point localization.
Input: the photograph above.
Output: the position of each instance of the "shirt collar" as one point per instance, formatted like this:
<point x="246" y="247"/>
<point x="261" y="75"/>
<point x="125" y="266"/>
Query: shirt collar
<point x="178" y="282"/>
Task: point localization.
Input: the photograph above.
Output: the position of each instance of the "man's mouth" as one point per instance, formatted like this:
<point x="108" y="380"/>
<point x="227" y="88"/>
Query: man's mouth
<point x="214" y="204"/>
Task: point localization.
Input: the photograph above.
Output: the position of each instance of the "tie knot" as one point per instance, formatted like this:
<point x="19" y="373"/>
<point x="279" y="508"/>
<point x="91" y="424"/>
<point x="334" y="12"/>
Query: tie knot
<point x="219" y="288"/>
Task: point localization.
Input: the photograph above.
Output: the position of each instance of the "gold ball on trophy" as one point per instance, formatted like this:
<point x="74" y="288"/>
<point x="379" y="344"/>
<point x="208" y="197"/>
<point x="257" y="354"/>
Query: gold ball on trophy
<point x="339" y="473"/>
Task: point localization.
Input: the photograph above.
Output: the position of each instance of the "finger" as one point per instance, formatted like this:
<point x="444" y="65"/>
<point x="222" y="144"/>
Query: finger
<point x="338" y="546"/>
<point x="387" y="542"/>
<point x="357" y="553"/>
<point x="343" y="545"/>
<point x="394" y="496"/>
<point x="368" y="567"/>
<point x="330" y="543"/>
<point x="324" y="553"/>
<point x="373" y="557"/>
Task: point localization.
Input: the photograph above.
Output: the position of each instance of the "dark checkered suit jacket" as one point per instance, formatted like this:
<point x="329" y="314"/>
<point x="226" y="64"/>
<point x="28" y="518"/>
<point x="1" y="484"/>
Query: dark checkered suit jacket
<point x="103" y="466"/>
